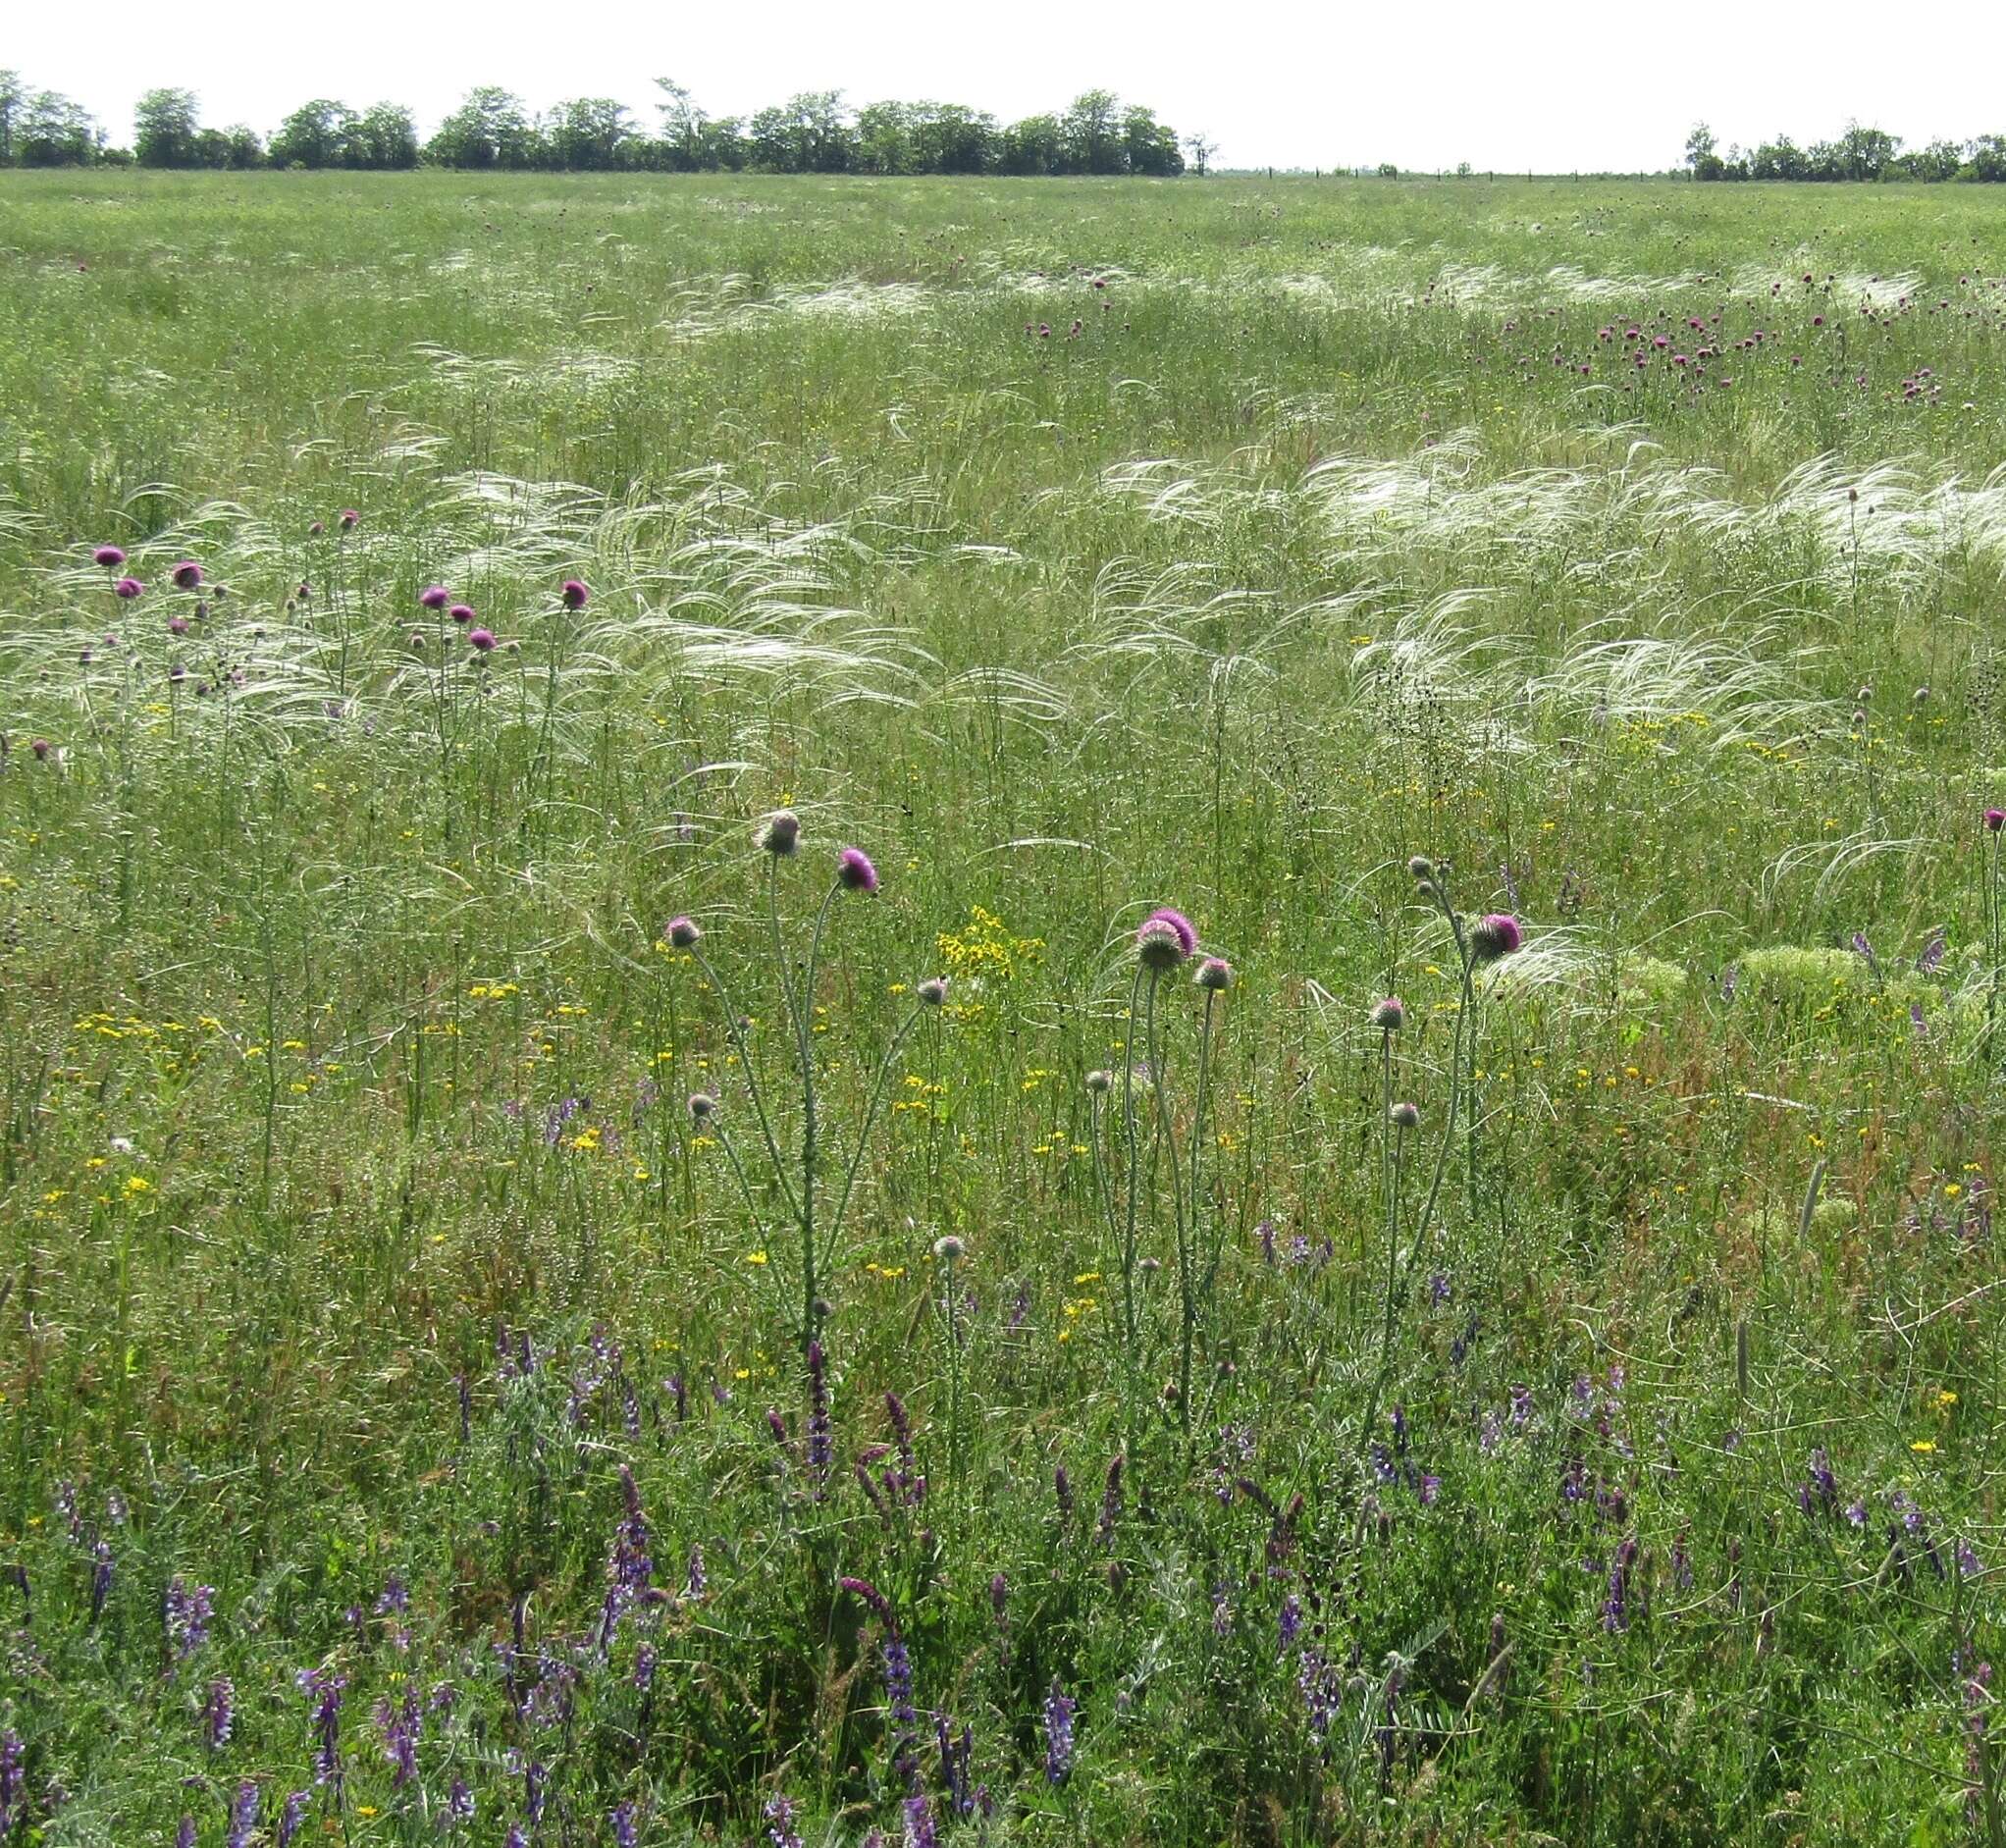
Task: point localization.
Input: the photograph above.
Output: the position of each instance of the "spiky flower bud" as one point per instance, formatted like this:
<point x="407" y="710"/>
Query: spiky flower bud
<point x="1215" y="975"/>
<point x="1421" y="866"/>
<point x="702" y="1106"/>
<point x="1390" y="1015"/>
<point x="932" y="993"/>
<point x="1404" y="1116"/>
<point x="1099" y="1083"/>
<point x="780" y="833"/>
<point x="947" y="1249"/>
<point x="683" y="933"/>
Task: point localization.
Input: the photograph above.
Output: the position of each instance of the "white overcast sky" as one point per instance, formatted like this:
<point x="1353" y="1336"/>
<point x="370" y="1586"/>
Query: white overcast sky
<point x="1544" y="84"/>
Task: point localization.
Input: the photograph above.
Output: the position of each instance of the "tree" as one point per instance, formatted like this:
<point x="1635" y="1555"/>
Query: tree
<point x="589" y="135"/>
<point x="1699" y="145"/>
<point x="884" y="139"/>
<point x="316" y="135"/>
<point x="13" y="100"/>
<point x="1866" y="153"/>
<point x="1149" y="146"/>
<point x="948" y="138"/>
<point x="386" y="138"/>
<point x="56" y="133"/>
<point x="1035" y="145"/>
<point x="682" y="125"/>
<point x="165" y="126"/>
<point x="491" y="128"/>
<point x="1202" y="148"/>
<point x="822" y="137"/>
<point x="1089" y="137"/>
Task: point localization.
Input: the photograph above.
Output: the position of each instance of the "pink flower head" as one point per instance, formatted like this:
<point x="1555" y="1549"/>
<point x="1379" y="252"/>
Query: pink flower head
<point x="349" y="519"/>
<point x="1166" y="940"/>
<point x="176" y="626"/>
<point x="682" y="933"/>
<point x="129" y="588"/>
<point x="110" y="556"/>
<point x="187" y="575"/>
<point x="574" y="594"/>
<point x="1995" y="819"/>
<point x="482" y="641"/>
<point x="855" y="872"/>
<point x="461" y="612"/>
<point x="40" y="748"/>
<point x="434" y="597"/>
<point x="1495" y="937"/>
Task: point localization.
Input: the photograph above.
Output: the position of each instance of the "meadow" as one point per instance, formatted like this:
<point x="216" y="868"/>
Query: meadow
<point x="540" y="1306"/>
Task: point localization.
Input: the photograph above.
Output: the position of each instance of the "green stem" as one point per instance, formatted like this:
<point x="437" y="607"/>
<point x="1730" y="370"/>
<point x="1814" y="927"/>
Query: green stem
<point x="751" y="1081"/>
<point x="891" y="1053"/>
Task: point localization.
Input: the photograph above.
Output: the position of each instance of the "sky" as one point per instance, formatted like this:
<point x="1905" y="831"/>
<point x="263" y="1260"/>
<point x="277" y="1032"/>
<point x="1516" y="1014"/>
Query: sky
<point x="1546" y="85"/>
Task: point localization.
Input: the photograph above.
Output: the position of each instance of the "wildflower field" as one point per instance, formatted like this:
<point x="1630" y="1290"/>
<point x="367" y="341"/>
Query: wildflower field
<point x="1362" y="1212"/>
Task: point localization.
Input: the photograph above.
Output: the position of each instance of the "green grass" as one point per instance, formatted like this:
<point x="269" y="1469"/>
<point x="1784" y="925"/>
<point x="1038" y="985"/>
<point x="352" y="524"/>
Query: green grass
<point x="340" y="1053"/>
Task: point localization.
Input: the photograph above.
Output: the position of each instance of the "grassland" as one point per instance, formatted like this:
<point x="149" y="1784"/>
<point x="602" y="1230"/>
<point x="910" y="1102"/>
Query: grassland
<point x="1075" y="548"/>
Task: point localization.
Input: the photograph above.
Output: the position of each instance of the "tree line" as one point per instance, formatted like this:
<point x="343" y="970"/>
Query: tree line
<point x="1858" y="154"/>
<point x="494" y="130"/>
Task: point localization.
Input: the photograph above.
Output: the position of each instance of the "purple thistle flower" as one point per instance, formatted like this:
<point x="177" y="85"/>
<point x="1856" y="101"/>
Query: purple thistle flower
<point x="435" y="596"/>
<point x="290" y="1816"/>
<point x="481" y="641"/>
<point x="682" y="933"/>
<point x="1166" y="940"/>
<point x="129" y="588"/>
<point x="462" y="613"/>
<point x="243" y="1816"/>
<point x="187" y="575"/>
<point x="1060" y="1707"/>
<point x="219" y="1712"/>
<point x="1496" y="935"/>
<point x="574" y="594"/>
<point x="110" y="556"/>
<point x="348" y="519"/>
<point x="1995" y="818"/>
<point x="854" y="871"/>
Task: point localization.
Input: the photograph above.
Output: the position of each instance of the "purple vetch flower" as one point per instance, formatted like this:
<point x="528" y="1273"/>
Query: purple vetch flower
<point x="1730" y="978"/>
<point x="102" y="1577"/>
<point x="243" y="1816"/>
<point x="400" y="1722"/>
<point x="1865" y="951"/>
<point x="291" y="1816"/>
<point x="1060" y="1709"/>
<point x="630" y="1566"/>
<point x="626" y="1831"/>
<point x="1820" y="1489"/>
<point x="1321" y="1684"/>
<point x="1930" y="958"/>
<point x="186" y="1615"/>
<point x="1062" y="1492"/>
<point x="219" y="1712"/>
<point x="13" y="1781"/>
<point x="1111" y="1500"/>
<point x="698" y="1579"/>
<point x="919" y="1831"/>
<point x="185" y="1835"/>
<point x="515" y="1838"/>
<point x="854" y="871"/>
<point x="780" y="1831"/>
<point x="1289" y="1626"/>
<point x="1615" y="1607"/>
<point x="536" y="1789"/>
<point x="459" y="1806"/>
<point x="324" y="1688"/>
<point x="645" y="1661"/>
